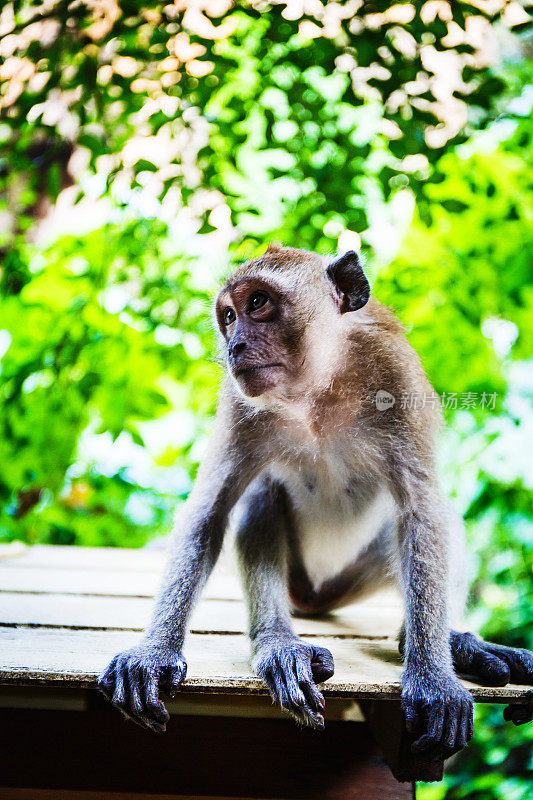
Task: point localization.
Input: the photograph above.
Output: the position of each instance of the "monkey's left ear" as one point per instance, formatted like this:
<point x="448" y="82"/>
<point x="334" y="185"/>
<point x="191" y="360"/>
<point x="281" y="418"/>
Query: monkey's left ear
<point x="349" y="280"/>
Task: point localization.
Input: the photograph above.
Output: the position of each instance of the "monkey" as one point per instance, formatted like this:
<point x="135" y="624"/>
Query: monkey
<point x="329" y="497"/>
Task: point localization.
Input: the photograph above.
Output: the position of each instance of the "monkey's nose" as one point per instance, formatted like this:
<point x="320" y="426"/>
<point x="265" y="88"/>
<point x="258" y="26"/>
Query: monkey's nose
<point x="237" y="348"/>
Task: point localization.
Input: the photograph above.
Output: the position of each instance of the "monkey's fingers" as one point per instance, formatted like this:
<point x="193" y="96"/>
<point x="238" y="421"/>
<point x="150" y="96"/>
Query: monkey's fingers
<point x="447" y="724"/>
<point x="411" y="715"/>
<point x="519" y="662"/>
<point x="464" y="726"/>
<point x="451" y="733"/>
<point x="454" y="736"/>
<point x="490" y="669"/>
<point x="121" y="695"/>
<point x="106" y="681"/>
<point x="301" y="690"/>
<point x="280" y="694"/>
<point x="322" y="665"/>
<point x="279" y="672"/>
<point x="143" y="711"/>
<point x="472" y="657"/>
<point x="133" y="677"/>
<point x="314" y="698"/>
<point x="175" y="675"/>
<point x="435" y="713"/>
<point x="520" y="713"/>
<point x="153" y="708"/>
<point x="306" y="682"/>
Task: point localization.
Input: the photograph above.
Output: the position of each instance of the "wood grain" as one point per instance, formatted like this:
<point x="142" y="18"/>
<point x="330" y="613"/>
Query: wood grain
<point x="110" y="583"/>
<point x="87" y="558"/>
<point x="211" y="615"/>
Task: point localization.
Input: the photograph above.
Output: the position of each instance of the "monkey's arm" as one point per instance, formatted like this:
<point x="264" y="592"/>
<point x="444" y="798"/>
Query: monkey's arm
<point x="133" y="678"/>
<point x="436" y="705"/>
<point x="289" y="666"/>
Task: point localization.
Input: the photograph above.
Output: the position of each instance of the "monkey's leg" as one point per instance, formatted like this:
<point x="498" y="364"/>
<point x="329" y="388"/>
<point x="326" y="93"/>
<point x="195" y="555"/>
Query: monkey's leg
<point x="289" y="666"/>
<point x="133" y="680"/>
<point x="437" y="708"/>
<point x="472" y="657"/>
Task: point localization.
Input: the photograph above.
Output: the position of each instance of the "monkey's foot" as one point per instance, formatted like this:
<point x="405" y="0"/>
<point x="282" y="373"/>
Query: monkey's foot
<point x="495" y="665"/>
<point x="519" y="713"/>
<point x="291" y="670"/>
<point x="132" y="680"/>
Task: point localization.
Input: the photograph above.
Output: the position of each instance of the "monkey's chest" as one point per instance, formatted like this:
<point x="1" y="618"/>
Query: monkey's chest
<point x="334" y="520"/>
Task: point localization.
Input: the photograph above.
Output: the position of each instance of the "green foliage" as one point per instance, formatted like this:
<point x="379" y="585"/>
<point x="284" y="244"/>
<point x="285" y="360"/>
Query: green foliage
<point x="467" y="259"/>
<point x="306" y="113"/>
<point x="78" y="355"/>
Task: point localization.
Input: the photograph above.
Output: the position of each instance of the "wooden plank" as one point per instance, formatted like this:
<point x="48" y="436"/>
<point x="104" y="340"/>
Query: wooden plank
<point x="114" y="559"/>
<point x="101" y="582"/>
<point x="217" y="663"/>
<point x="77" y="581"/>
<point x="10" y="550"/>
<point x="370" y="619"/>
<point x="75" y="611"/>
<point x="144" y="559"/>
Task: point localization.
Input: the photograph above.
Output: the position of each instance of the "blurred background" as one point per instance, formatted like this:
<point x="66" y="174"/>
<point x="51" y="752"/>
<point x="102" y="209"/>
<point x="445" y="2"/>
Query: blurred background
<point x="146" y="148"/>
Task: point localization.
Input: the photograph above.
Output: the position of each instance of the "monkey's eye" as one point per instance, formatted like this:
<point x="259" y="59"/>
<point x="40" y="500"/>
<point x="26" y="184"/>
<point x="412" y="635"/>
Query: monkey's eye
<point x="228" y="315"/>
<point x="258" y="300"/>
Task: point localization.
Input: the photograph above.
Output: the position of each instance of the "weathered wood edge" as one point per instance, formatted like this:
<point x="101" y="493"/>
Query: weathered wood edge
<point x="249" y="685"/>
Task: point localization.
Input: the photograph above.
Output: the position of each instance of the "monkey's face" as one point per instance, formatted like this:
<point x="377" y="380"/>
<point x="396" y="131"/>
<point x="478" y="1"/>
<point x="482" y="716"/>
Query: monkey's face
<point x="261" y="335"/>
<point x="279" y="317"/>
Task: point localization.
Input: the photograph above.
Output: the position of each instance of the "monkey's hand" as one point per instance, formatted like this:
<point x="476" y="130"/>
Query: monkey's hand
<point x="133" y="679"/>
<point x="519" y="713"/>
<point x="440" y="709"/>
<point x="291" y="669"/>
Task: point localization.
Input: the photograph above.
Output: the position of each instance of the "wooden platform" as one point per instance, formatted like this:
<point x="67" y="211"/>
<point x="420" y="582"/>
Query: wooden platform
<point x="64" y="612"/>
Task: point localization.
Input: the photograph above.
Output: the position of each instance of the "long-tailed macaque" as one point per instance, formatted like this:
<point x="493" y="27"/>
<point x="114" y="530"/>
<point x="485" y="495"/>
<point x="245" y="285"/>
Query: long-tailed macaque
<point x="335" y="494"/>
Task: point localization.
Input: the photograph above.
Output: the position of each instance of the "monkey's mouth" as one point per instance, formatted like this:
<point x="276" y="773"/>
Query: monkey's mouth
<point x="255" y="368"/>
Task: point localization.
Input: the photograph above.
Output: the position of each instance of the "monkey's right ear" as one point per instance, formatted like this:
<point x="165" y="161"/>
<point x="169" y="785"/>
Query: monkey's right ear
<point x="350" y="282"/>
